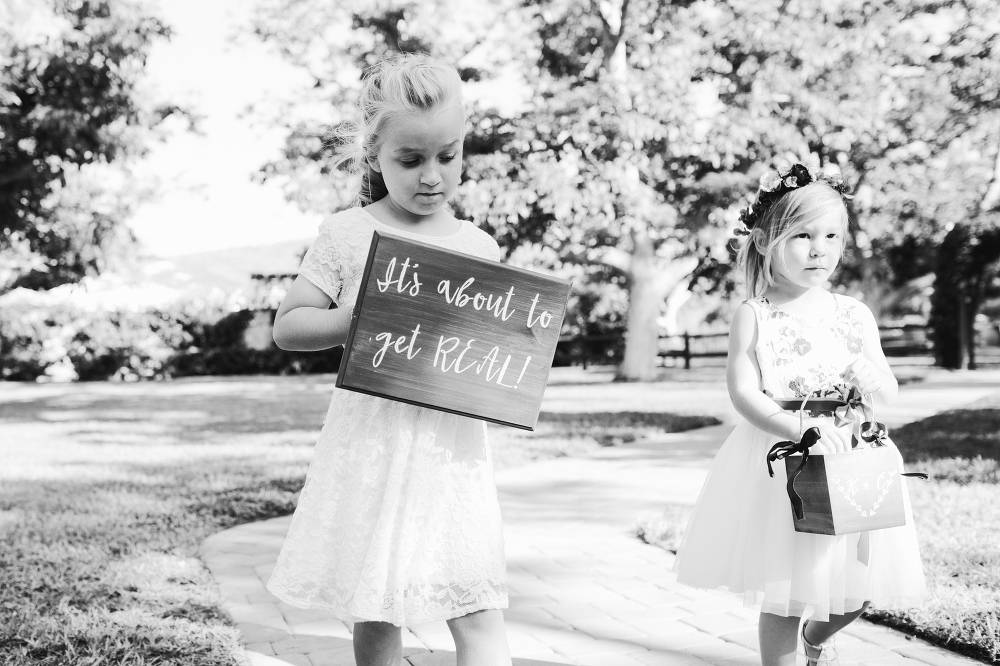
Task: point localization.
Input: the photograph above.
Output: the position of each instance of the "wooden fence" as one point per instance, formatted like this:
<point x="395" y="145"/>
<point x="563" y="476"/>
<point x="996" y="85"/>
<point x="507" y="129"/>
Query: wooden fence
<point x="906" y="340"/>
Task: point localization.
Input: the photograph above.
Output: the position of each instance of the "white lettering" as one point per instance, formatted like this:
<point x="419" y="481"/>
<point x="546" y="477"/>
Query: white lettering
<point x="499" y="305"/>
<point x="380" y="354"/>
<point x="442" y="353"/>
<point x="398" y="345"/>
<point x="544" y="318"/>
<point x="413" y="287"/>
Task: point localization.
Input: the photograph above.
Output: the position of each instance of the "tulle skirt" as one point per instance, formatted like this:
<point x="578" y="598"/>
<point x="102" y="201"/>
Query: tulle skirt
<point x="740" y="538"/>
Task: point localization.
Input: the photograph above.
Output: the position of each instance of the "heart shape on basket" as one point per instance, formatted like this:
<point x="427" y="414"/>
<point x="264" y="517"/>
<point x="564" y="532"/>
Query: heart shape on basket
<point x="883" y="482"/>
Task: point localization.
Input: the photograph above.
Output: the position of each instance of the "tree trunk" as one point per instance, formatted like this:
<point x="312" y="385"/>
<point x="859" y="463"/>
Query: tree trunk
<point x="651" y="278"/>
<point x="674" y="300"/>
<point x="961" y="359"/>
<point x="642" y="334"/>
<point x="949" y="300"/>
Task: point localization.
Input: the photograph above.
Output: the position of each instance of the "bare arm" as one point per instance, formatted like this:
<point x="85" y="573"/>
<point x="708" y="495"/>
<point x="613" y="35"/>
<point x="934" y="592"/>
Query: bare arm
<point x="743" y="380"/>
<point x="871" y="373"/>
<point x="304" y="321"/>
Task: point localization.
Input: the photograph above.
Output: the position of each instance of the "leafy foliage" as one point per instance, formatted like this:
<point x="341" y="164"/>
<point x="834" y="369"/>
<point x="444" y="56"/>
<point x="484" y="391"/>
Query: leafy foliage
<point x="642" y="126"/>
<point x="69" y="109"/>
<point x="59" y="339"/>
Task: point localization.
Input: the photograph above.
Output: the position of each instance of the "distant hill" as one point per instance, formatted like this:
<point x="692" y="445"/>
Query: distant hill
<point x="225" y="269"/>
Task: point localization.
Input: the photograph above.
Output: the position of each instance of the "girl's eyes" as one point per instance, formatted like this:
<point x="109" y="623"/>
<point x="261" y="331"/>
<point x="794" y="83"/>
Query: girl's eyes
<point x="410" y="163"/>
<point x="806" y="235"/>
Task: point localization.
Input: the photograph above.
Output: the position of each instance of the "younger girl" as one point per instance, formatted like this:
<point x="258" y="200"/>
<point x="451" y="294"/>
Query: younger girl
<point x="398" y="522"/>
<point x="792" y="339"/>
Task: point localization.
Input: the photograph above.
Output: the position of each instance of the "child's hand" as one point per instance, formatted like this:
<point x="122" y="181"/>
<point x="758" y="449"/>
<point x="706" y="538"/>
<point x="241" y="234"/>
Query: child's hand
<point x="832" y="439"/>
<point x="863" y="374"/>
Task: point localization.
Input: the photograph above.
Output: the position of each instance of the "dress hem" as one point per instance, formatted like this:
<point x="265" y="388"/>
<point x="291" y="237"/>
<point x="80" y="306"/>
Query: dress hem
<point x="342" y="614"/>
<point x="877" y="603"/>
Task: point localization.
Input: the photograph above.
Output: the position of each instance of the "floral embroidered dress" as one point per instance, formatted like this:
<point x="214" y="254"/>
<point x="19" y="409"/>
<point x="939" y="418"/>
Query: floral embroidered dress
<point x="398" y="520"/>
<point x="740" y="536"/>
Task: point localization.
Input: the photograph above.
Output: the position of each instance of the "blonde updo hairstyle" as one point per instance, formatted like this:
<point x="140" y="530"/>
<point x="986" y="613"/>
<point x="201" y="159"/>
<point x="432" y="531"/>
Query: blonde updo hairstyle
<point x="396" y="85"/>
<point x="766" y="242"/>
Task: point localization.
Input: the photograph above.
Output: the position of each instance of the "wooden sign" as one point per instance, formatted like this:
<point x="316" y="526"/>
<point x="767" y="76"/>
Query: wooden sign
<point x="445" y="330"/>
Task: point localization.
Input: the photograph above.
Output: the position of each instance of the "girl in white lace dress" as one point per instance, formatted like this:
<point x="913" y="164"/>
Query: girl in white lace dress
<point x="398" y="522"/>
<point x="791" y="339"/>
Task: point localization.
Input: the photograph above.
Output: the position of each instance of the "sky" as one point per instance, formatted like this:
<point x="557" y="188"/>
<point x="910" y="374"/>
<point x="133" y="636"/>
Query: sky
<point x="207" y="198"/>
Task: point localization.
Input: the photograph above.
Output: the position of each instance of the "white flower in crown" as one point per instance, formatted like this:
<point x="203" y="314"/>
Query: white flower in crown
<point x="783" y="170"/>
<point x="791" y="181"/>
<point x="770" y="181"/>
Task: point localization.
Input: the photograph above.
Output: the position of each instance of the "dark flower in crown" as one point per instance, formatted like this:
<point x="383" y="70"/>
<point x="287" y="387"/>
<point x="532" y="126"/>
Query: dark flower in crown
<point x="776" y="184"/>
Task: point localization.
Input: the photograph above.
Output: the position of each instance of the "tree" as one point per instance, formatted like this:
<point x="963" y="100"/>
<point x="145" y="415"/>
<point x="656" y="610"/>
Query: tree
<point x="968" y="261"/>
<point x="68" y="114"/>
<point x="613" y="162"/>
<point x="620" y="164"/>
<point x="902" y="98"/>
<point x="646" y="124"/>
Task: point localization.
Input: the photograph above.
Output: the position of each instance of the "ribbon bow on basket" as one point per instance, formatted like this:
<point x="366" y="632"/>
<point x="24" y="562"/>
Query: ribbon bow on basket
<point x="858" y="406"/>
<point x="857" y="410"/>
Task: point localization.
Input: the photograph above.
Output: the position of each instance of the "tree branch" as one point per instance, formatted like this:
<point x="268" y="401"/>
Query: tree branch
<point x="616" y="258"/>
<point x="609" y="34"/>
<point x="675" y="271"/>
<point x="621" y="24"/>
<point x="991" y="199"/>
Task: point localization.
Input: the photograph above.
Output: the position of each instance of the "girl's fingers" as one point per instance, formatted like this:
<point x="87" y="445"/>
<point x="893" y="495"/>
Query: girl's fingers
<point x="835" y="440"/>
<point x="863" y="374"/>
<point x="822" y="447"/>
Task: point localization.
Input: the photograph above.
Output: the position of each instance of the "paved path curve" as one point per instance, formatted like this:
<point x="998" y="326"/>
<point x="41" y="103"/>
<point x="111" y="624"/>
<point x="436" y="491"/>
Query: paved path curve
<point x="583" y="589"/>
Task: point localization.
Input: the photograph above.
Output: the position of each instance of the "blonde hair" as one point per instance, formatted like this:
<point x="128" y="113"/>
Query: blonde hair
<point x="395" y="85"/>
<point x="779" y="223"/>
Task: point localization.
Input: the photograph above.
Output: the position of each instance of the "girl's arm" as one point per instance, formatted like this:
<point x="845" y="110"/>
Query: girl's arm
<point x="743" y="380"/>
<point x="304" y="321"/>
<point x="871" y="373"/>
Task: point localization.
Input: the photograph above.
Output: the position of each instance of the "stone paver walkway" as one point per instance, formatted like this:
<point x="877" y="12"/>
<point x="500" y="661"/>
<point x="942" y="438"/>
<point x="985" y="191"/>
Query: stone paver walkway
<point x="583" y="589"/>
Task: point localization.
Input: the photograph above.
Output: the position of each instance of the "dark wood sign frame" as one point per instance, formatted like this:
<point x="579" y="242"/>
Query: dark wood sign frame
<point x="467" y="315"/>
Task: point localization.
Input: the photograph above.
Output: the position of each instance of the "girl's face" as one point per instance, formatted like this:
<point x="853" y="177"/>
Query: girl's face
<point x="811" y="253"/>
<point x="420" y="159"/>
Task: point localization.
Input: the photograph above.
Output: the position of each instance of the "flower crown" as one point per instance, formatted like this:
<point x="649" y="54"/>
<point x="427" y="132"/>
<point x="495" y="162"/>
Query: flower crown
<point x="776" y="184"/>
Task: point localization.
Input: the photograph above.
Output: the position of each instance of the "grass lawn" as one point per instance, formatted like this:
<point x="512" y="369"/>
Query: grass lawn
<point x="957" y="514"/>
<point x="106" y="491"/>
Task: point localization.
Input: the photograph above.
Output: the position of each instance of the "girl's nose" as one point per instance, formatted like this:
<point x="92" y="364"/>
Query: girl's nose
<point x="430" y="176"/>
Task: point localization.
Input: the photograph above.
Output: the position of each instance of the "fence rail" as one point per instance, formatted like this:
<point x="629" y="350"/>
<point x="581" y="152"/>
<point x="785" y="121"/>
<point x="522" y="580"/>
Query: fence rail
<point x="904" y="340"/>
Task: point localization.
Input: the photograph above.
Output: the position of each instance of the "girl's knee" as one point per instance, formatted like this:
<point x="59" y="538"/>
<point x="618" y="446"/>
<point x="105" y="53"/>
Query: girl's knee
<point x="480" y="623"/>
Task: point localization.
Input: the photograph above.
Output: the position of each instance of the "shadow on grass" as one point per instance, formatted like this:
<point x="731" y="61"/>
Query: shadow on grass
<point x="960" y="445"/>
<point x="958" y="521"/>
<point x="106" y="492"/>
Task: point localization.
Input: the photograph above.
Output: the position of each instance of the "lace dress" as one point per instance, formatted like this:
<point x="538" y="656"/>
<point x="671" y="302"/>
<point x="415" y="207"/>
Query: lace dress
<point x="740" y="536"/>
<point x="398" y="520"/>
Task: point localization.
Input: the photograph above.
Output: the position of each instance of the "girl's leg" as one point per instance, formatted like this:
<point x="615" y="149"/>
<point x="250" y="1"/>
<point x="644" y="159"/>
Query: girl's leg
<point x="779" y="637"/>
<point x="480" y="639"/>
<point x="820" y="632"/>
<point x="377" y="644"/>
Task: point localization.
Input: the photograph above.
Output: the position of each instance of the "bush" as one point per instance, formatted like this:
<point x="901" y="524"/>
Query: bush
<point x="64" y="341"/>
<point x="46" y="335"/>
<point x="218" y="349"/>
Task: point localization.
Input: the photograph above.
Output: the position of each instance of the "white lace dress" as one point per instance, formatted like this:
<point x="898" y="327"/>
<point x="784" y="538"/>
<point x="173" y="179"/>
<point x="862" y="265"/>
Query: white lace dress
<point x="398" y="520"/>
<point x="740" y="536"/>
